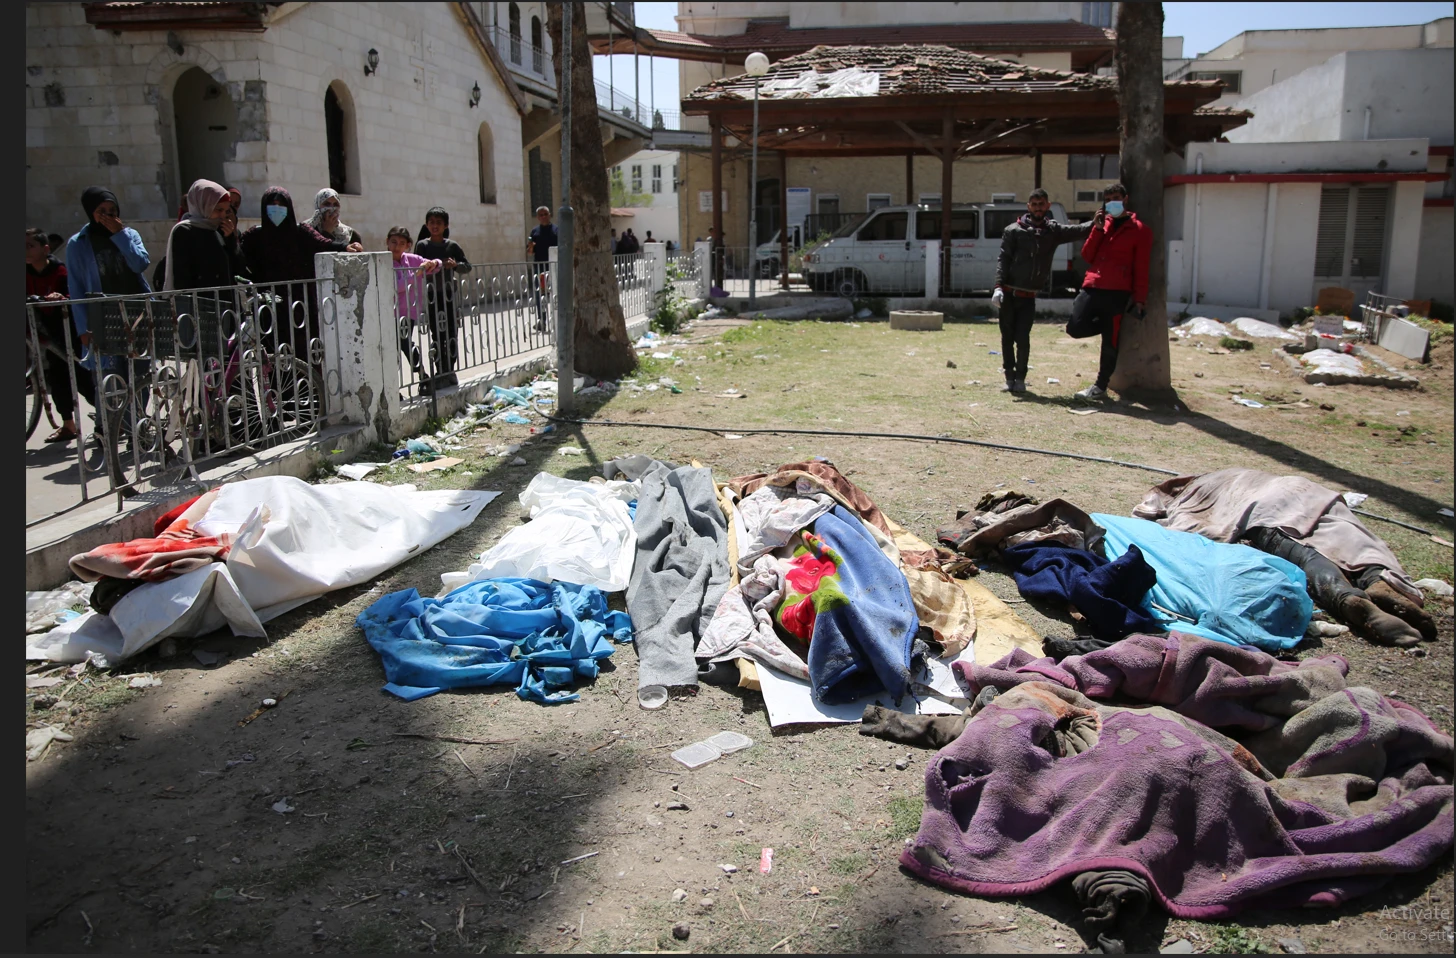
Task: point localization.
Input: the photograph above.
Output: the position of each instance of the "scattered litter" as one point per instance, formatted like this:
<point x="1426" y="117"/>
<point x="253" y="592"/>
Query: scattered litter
<point x="732" y="394"/>
<point x="1434" y="586"/>
<point x="1052" y="382"/>
<point x="729" y="869"/>
<point x="282" y="807"/>
<point x="1318" y="629"/>
<point x="358" y="470"/>
<point x="502" y="450"/>
<point x="1446" y="512"/>
<point x="571" y="451"/>
<point x="765" y="861"/>
<point x="38" y="741"/>
<point x="731" y="435"/>
<point x="518" y="397"/>
<point x="269" y="703"/>
<point x="247" y="758"/>
<point x="1180" y="947"/>
<point x="652" y="387"/>
<point x="435" y="465"/>
<point x="1252" y="404"/>
<point x="663" y="356"/>
<point x="1082" y="412"/>
<point x="143" y="682"/>
<point x="864" y="313"/>
<point x="1353" y="499"/>
<point x="38" y="682"/>
<point x="994" y="352"/>
<point x="515" y="419"/>
<point x="518" y="461"/>
<point x="711" y="749"/>
<point x="580" y="858"/>
<point x="679" y="895"/>
<point x="729" y="742"/>
<point x="652" y="697"/>
<point x="1403" y="412"/>
<point x="46" y="610"/>
<point x="1292" y="946"/>
<point x="208" y="658"/>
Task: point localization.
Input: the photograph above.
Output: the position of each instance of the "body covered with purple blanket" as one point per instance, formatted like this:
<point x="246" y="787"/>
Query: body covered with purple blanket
<point x="1242" y="781"/>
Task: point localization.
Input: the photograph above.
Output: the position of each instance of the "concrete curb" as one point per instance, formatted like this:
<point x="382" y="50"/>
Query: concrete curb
<point x="50" y="546"/>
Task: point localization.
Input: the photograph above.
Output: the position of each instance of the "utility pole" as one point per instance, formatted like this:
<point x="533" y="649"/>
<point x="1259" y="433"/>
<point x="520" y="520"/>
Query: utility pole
<point x="565" y="241"/>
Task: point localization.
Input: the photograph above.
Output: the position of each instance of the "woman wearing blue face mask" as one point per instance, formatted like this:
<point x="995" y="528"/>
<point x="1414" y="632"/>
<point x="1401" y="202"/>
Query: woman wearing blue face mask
<point x="281" y="250"/>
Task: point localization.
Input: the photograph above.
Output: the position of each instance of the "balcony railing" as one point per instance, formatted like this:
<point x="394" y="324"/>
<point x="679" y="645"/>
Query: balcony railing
<point x="532" y="62"/>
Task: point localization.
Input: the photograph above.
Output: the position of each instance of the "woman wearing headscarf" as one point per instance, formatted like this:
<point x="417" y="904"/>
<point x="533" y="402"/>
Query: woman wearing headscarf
<point x="326" y="218"/>
<point x="280" y="250"/>
<point x="435" y="243"/>
<point x="196" y="255"/>
<point x="105" y="257"/>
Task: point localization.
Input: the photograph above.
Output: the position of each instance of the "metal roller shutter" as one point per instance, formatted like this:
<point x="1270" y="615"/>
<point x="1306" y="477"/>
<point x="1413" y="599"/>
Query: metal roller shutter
<point x="1329" y="249"/>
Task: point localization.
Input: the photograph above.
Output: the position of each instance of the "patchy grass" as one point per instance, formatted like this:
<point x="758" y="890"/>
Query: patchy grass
<point x="905" y="816"/>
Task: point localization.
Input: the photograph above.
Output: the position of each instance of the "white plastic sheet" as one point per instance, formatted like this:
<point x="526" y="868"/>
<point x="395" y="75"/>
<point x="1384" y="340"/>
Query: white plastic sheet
<point x="293" y="542"/>
<point x="1259" y="329"/>
<point x="1329" y="361"/>
<point x="851" y="81"/>
<point x="579" y="532"/>
<point x="1200" y="326"/>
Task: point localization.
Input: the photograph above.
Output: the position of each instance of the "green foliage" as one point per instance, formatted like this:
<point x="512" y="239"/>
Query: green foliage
<point x="621" y="196"/>
<point x="796" y="258"/>
<point x="1439" y="331"/>
<point x="851" y="864"/>
<point x="673" y="308"/>
<point x="1235" y="940"/>
<point x="1229" y="343"/>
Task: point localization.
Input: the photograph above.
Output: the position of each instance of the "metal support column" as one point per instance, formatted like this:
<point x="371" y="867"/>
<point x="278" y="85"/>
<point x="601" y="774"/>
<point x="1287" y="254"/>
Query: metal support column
<point x="947" y="158"/>
<point x="715" y="253"/>
<point x="909" y="179"/>
<point x="784" y="220"/>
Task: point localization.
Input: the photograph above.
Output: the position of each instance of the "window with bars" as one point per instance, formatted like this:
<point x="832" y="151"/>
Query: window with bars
<point x="657" y="177"/>
<point x="874" y="201"/>
<point x="1092" y="166"/>
<point x="636" y="177"/>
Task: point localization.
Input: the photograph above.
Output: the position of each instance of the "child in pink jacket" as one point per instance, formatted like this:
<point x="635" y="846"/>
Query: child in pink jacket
<point x="409" y="286"/>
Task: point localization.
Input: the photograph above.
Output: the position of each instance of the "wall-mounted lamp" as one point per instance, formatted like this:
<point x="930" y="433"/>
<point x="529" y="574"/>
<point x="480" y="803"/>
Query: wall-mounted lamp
<point x="371" y="67"/>
<point x="475" y="96"/>
<point x="174" y="43"/>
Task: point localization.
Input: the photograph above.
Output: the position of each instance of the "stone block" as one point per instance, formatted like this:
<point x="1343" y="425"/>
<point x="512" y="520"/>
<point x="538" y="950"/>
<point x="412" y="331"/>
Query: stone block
<point x="917" y="319"/>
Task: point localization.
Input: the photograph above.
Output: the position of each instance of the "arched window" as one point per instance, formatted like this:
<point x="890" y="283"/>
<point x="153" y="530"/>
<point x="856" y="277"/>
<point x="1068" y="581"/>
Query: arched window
<point x="206" y="125"/>
<point x="537" y="46"/>
<point x="485" y="143"/>
<point x="515" y="25"/>
<point x="342" y="137"/>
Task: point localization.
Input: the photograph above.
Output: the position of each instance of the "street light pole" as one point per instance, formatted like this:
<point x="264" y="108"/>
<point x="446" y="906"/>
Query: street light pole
<point x="757" y="66"/>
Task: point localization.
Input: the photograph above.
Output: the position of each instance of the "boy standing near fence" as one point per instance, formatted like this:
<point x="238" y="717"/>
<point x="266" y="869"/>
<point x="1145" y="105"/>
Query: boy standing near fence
<point x="435" y="243"/>
<point x="409" y="286"/>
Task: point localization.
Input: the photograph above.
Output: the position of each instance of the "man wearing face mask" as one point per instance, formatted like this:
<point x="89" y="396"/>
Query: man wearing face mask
<point x="1117" y="253"/>
<point x="1024" y="268"/>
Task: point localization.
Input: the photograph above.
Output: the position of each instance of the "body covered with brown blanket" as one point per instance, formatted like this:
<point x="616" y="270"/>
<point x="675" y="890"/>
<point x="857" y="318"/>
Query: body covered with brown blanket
<point x="1223" y="505"/>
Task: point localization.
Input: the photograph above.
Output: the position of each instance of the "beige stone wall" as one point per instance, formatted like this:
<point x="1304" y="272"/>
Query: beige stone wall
<point x="416" y="133"/>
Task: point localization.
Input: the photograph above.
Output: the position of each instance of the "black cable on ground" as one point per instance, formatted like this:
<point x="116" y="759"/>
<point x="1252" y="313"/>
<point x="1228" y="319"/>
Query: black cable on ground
<point x="865" y="435"/>
<point x="1371" y="515"/>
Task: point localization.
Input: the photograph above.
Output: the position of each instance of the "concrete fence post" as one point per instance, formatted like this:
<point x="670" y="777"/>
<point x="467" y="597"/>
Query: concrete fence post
<point x="932" y="268"/>
<point x="361" y="341"/>
<point x="702" y="249"/>
<point x="654" y="258"/>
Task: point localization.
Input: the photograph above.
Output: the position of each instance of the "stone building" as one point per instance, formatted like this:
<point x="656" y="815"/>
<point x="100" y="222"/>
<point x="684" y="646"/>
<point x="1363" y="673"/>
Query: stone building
<point x="399" y="106"/>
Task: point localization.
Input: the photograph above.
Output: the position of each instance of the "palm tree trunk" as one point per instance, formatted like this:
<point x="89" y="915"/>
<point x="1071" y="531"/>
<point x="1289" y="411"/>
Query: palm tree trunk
<point x="1143" y="359"/>
<point x="602" y="347"/>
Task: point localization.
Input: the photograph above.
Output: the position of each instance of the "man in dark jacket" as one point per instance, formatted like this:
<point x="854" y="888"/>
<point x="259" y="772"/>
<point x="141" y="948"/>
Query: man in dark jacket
<point x="1024" y="268"/>
<point x="1117" y="253"/>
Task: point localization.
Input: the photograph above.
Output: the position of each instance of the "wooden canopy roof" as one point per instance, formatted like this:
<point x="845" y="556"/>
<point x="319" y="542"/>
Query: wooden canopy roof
<point x="903" y="99"/>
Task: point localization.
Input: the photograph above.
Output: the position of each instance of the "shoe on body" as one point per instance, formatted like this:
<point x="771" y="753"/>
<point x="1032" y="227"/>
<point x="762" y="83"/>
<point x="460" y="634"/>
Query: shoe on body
<point x="1093" y="391"/>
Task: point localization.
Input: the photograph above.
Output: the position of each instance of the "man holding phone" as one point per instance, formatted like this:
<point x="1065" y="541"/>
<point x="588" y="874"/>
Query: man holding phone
<point x="1117" y="252"/>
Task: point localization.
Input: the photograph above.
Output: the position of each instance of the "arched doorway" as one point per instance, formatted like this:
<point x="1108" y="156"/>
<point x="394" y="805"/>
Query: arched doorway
<point x="341" y="139"/>
<point x="205" y="122"/>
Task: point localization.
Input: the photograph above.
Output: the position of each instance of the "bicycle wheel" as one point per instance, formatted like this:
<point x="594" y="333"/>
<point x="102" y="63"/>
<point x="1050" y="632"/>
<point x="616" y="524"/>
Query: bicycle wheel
<point x="34" y="391"/>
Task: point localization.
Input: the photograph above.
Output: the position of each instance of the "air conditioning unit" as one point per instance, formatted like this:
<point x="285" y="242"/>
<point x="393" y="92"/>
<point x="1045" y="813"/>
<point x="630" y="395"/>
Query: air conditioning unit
<point x="1003" y="197"/>
<point x="1087" y="196"/>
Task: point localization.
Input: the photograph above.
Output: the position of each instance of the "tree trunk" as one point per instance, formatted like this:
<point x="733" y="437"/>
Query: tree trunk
<point x="1143" y="360"/>
<point x="602" y="347"/>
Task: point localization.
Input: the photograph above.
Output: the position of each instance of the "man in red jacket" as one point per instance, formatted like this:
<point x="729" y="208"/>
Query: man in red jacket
<point x="1117" y="253"/>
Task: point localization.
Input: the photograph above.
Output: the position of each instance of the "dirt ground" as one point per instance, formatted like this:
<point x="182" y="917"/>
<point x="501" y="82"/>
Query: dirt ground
<point x="158" y="828"/>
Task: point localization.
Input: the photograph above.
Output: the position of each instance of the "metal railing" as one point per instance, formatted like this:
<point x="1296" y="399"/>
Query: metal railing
<point x="684" y="273"/>
<point x="731" y="267"/>
<point x="177" y="380"/>
<point x="1376" y="310"/>
<point x="634" y="283"/>
<point x="522" y="56"/>
<point x="453" y="324"/>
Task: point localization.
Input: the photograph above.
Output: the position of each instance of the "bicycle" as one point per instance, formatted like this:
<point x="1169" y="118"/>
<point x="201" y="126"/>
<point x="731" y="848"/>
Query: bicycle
<point x="37" y="345"/>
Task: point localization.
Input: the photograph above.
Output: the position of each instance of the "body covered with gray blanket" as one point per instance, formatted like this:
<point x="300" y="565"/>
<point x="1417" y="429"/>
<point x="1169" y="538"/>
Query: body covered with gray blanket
<point x="1225" y="504"/>
<point x="1237" y="781"/>
<point x="681" y="569"/>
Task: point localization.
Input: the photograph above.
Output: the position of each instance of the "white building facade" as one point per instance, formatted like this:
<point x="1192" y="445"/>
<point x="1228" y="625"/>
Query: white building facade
<point x="654" y="175"/>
